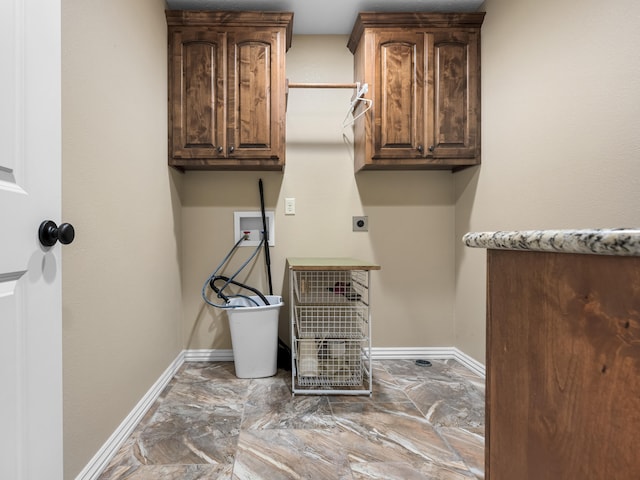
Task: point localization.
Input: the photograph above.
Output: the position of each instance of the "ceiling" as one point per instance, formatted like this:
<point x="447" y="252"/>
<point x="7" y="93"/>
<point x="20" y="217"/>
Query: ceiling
<point x="327" y="17"/>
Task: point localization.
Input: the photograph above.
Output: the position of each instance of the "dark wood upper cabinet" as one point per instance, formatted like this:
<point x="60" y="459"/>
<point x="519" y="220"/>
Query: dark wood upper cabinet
<point x="227" y="89"/>
<point x="423" y="71"/>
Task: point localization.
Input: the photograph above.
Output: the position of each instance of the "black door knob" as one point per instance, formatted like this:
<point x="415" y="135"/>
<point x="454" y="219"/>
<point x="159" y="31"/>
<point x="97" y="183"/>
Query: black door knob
<point x="49" y="233"/>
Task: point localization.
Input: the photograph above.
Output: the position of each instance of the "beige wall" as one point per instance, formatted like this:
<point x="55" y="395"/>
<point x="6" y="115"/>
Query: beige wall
<point x="560" y="132"/>
<point x="411" y="216"/>
<point x="121" y="281"/>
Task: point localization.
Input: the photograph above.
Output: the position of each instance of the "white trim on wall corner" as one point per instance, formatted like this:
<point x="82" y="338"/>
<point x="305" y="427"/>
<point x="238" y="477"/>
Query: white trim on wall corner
<point x="471" y="363"/>
<point x="101" y="459"/>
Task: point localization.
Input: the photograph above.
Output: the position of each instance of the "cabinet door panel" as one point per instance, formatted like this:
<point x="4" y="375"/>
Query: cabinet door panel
<point x="254" y="85"/>
<point x="397" y="100"/>
<point x="399" y="90"/>
<point x="452" y="128"/>
<point x="254" y="122"/>
<point x="198" y="96"/>
<point x="199" y="90"/>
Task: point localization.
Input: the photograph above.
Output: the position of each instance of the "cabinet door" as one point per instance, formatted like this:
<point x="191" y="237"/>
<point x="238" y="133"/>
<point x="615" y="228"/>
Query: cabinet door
<point x="399" y="94"/>
<point x="256" y="112"/>
<point x="198" y="99"/>
<point x="453" y="95"/>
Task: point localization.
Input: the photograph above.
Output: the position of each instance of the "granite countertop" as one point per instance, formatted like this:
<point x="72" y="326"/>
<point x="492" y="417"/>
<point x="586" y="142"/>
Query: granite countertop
<point x="611" y="241"/>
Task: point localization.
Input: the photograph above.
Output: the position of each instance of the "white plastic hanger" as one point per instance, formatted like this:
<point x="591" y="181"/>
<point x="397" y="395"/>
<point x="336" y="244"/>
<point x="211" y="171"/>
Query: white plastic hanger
<point x="361" y="90"/>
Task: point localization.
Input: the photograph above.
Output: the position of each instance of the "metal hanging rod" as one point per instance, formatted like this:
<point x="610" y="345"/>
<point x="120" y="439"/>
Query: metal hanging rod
<point x="322" y="85"/>
<point x="360" y="91"/>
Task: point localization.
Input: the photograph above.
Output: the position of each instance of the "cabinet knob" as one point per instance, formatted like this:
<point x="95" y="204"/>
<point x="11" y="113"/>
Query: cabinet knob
<point x="231" y="149"/>
<point x="420" y="148"/>
<point x="432" y="148"/>
<point x="49" y="233"/>
<point x="220" y="149"/>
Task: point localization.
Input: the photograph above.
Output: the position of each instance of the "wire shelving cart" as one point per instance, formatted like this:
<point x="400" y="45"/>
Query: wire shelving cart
<point x="330" y="304"/>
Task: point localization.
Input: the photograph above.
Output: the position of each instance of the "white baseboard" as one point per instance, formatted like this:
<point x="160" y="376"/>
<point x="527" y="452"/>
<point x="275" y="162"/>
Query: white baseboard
<point x="101" y="459"/>
<point x="208" y="355"/>
<point x="432" y="353"/>
<point x="404" y="353"/>
<point x="377" y="353"/>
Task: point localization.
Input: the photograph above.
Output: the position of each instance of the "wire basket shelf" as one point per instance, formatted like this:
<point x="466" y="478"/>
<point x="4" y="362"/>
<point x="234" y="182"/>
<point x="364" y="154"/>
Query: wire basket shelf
<point x="330" y="363"/>
<point x="348" y="322"/>
<point x="350" y="286"/>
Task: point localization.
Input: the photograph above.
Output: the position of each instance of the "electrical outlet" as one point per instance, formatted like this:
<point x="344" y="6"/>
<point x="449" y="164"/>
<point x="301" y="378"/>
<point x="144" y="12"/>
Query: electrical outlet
<point x="360" y="224"/>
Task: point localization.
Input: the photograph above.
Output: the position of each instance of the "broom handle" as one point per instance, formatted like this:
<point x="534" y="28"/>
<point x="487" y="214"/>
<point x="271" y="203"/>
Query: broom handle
<point x="267" y="258"/>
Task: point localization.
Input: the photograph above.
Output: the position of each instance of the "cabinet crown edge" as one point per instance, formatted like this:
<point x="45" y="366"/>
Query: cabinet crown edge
<point x="411" y="20"/>
<point x="243" y="19"/>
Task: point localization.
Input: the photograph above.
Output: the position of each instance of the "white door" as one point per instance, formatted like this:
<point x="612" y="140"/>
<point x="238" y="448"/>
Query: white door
<point x="30" y="286"/>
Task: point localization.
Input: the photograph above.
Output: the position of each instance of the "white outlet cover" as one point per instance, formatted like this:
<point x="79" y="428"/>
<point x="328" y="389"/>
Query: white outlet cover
<point x="252" y="222"/>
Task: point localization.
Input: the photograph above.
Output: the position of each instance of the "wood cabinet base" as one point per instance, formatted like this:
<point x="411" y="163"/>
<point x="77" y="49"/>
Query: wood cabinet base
<point x="563" y="366"/>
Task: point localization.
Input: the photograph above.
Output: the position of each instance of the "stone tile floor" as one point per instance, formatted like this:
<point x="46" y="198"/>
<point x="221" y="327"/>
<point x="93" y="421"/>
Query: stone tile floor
<point x="420" y="423"/>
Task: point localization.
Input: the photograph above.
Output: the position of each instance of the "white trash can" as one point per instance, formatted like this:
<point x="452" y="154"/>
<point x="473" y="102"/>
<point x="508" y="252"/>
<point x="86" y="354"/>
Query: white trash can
<point x="254" y="336"/>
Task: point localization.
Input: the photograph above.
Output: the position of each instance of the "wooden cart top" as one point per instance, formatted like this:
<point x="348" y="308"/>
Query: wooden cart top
<point x="330" y="263"/>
